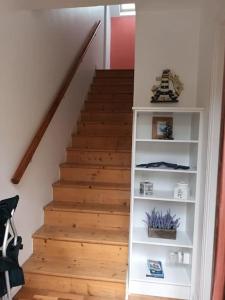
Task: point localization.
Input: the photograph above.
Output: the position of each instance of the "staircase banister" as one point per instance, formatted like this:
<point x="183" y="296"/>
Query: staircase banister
<point x="53" y="108"/>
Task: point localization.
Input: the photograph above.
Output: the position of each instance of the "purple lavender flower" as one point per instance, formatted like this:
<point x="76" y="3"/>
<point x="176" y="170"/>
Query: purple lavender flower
<point x="157" y="220"/>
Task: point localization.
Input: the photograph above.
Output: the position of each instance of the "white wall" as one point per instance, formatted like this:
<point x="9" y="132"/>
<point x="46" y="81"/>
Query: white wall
<point x="166" y="39"/>
<point x="110" y="11"/>
<point x="145" y="4"/>
<point x="115" y="10"/>
<point x="48" y="4"/>
<point x="210" y="82"/>
<point x="107" y="36"/>
<point x="167" y="31"/>
<point x="37" y="48"/>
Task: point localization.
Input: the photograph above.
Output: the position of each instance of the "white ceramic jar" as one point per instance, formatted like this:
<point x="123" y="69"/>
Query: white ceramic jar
<point x="182" y="191"/>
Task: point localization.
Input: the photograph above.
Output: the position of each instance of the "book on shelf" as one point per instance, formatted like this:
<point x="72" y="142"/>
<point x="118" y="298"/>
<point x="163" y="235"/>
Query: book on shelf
<point x="154" y="269"/>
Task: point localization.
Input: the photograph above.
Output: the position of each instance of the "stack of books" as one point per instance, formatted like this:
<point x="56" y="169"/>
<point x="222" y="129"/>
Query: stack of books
<point x="154" y="269"/>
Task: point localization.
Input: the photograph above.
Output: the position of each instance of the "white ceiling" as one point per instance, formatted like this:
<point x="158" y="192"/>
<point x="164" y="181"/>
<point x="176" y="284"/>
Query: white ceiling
<point x="141" y="4"/>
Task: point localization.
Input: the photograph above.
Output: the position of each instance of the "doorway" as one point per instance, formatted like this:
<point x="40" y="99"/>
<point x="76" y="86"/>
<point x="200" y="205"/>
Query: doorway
<point x="120" y="36"/>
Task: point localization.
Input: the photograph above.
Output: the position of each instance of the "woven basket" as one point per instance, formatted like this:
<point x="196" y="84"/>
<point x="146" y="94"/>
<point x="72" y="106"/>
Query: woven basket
<point x="162" y="233"/>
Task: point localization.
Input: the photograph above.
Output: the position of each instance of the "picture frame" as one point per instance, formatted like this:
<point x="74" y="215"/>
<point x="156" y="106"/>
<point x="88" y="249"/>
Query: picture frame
<point x="162" y="128"/>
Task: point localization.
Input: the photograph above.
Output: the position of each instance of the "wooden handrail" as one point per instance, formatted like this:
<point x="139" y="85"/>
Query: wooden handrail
<point x="55" y="104"/>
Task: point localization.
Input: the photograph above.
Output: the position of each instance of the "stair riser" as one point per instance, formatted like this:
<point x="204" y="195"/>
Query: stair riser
<point x="119" y="89"/>
<point x="87" y="220"/>
<point x="28" y="294"/>
<point x="115" y="74"/>
<point x="113" y="81"/>
<point x="114" y="143"/>
<point x="103" y="129"/>
<point x="90" y="195"/>
<point x="79" y="250"/>
<point x="123" y="118"/>
<point x="100" y="158"/>
<point x="95" y="175"/>
<point x="108" y="107"/>
<point x="109" y="98"/>
<point x="73" y="285"/>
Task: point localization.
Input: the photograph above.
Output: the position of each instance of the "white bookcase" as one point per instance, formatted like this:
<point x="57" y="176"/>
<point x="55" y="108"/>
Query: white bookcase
<point x="184" y="149"/>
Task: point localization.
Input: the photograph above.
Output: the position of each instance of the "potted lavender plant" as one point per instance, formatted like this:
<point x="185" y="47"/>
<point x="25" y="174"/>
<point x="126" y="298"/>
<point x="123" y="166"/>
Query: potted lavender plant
<point x="162" y="226"/>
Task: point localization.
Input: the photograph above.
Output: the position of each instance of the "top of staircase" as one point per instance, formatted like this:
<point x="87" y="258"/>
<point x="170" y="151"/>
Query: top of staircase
<point x="115" y="73"/>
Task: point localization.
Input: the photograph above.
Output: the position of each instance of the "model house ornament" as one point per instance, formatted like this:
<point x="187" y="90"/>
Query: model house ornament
<point x="169" y="88"/>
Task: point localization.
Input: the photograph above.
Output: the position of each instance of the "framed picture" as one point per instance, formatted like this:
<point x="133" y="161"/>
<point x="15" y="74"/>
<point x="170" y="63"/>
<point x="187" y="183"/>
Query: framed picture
<point x="162" y="128"/>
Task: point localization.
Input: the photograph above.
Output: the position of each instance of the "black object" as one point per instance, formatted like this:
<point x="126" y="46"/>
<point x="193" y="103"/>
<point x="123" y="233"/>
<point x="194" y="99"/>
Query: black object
<point x="10" y="261"/>
<point x="165" y="164"/>
<point x="167" y="132"/>
<point x="163" y="93"/>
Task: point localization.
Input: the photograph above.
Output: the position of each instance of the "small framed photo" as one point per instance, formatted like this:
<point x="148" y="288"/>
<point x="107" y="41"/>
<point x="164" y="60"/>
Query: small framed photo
<point x="162" y="128"/>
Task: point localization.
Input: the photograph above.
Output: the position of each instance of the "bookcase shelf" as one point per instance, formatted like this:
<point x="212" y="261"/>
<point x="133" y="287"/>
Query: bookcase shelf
<point x="167" y="141"/>
<point x="184" y="150"/>
<point x="161" y="196"/>
<point x="183" y="240"/>
<point x="167" y="170"/>
<point x="174" y="275"/>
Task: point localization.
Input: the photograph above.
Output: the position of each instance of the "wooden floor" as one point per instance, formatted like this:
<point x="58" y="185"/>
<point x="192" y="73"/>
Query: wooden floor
<point x="138" y="297"/>
<point x="63" y="296"/>
<point x="81" y="251"/>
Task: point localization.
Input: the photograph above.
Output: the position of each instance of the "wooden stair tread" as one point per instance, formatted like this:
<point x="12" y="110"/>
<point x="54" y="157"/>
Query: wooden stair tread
<point x="112" y="83"/>
<point x="99" y="150"/>
<point x="113" y="124"/>
<point x="143" y="297"/>
<point x="96" y="236"/>
<point x="104" y="123"/>
<point x="108" y="85"/>
<point x="96" y="166"/>
<point x="88" y="207"/>
<point x="82" y="269"/>
<point x="114" y="73"/>
<point x="88" y="135"/>
<point x="102" y="136"/>
<point x="92" y="106"/>
<point x="89" y="109"/>
<point x="115" y="70"/>
<point x="28" y="294"/>
<point x="95" y="98"/>
<point x="109" y="112"/>
<point x="92" y="185"/>
<point x="111" y="92"/>
<point x="96" y="134"/>
<point x="31" y="294"/>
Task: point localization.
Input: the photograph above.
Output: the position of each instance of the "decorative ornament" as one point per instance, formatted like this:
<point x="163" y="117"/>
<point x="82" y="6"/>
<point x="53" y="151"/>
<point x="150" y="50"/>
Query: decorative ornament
<point x="169" y="88"/>
<point x="146" y="188"/>
<point x="182" y="191"/>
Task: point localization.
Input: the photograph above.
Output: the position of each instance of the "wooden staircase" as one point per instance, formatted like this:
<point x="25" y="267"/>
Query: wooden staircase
<point x="81" y="251"/>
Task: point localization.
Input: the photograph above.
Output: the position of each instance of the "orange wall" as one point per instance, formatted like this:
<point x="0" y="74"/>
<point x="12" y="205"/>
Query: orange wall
<point x="122" y="42"/>
<point x="219" y="276"/>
